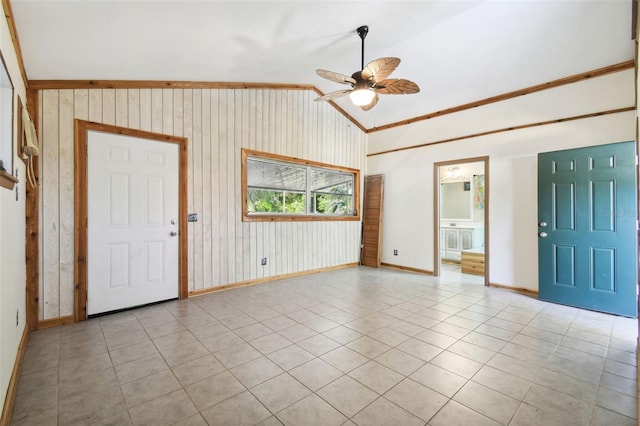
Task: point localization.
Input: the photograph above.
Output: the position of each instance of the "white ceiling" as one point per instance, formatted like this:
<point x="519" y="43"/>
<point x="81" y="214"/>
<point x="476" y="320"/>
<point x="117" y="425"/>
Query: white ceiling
<point x="456" y="51"/>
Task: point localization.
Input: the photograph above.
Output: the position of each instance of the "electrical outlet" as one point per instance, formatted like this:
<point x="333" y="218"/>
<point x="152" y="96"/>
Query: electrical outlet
<point x="263" y="262"/>
<point x="395" y="252"/>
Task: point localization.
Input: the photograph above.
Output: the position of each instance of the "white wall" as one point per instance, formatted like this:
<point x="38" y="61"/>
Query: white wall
<point x="408" y="203"/>
<point x="12" y="240"/>
<point x="218" y="123"/>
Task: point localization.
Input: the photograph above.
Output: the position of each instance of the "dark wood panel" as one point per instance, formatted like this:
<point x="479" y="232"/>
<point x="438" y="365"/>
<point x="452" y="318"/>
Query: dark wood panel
<point x="372" y="221"/>
<point x="32" y="212"/>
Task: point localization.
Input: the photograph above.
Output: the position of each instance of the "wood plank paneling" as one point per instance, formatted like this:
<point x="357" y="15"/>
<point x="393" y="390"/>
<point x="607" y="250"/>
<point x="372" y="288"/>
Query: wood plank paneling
<point x="222" y="249"/>
<point x="66" y="197"/>
<point x="50" y="193"/>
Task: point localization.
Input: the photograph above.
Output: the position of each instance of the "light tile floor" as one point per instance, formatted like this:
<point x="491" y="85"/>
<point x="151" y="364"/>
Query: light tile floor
<point x="355" y="346"/>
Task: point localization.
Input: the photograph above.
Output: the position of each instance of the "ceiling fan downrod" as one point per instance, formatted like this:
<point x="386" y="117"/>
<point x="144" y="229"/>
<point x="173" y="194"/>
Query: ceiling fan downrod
<point x="362" y="32"/>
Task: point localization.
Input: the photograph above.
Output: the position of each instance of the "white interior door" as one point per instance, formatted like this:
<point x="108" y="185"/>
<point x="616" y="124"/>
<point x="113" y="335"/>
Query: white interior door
<point x="132" y="235"/>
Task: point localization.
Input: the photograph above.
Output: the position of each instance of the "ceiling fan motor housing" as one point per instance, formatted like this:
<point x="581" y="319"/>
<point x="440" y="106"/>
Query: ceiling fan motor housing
<point x="363" y="31"/>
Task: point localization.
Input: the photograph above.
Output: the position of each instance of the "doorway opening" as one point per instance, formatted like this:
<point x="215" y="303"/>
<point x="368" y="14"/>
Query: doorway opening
<point x="461" y="220"/>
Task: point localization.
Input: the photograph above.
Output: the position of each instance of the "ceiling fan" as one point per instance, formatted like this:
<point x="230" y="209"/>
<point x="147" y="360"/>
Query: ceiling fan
<point x="370" y="81"/>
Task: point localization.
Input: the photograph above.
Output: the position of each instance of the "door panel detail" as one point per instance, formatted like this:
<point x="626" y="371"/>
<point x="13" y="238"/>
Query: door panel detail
<point x="118" y="200"/>
<point x="118" y="265"/>
<point x="154" y="261"/>
<point x="118" y="154"/>
<point x="154" y="200"/>
<point x="565" y="260"/>
<point x="154" y="158"/>
<point x="564" y="166"/>
<point x="602" y="204"/>
<point x="564" y="206"/>
<point x="603" y="269"/>
<point x="602" y="162"/>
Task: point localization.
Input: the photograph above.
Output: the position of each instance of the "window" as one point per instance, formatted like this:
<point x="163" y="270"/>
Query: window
<point x="275" y="187"/>
<point x="6" y="128"/>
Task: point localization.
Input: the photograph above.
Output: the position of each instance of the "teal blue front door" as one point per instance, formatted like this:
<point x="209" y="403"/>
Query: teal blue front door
<point x="587" y="238"/>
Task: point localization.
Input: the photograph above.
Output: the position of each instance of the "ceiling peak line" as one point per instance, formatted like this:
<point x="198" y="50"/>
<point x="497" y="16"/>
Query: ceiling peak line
<point x="507" y="129"/>
<point x="599" y="72"/>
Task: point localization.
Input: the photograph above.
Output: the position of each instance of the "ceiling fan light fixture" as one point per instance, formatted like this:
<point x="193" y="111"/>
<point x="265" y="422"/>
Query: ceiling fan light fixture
<point x="369" y="82"/>
<point x="361" y="97"/>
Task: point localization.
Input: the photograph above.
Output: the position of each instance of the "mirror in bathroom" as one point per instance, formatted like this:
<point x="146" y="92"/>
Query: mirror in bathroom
<point x="456" y="201"/>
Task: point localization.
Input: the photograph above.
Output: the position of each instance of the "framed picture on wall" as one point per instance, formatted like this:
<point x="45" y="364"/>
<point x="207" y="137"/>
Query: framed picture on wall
<point x="6" y="127"/>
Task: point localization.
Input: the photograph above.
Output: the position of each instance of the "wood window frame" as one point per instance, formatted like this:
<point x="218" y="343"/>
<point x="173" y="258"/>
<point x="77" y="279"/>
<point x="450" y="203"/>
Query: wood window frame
<point x="7" y="178"/>
<point x="82" y="129"/>
<point x="246" y="217"/>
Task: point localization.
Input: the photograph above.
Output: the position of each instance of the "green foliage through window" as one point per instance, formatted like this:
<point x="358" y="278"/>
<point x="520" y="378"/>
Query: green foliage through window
<point x="278" y="187"/>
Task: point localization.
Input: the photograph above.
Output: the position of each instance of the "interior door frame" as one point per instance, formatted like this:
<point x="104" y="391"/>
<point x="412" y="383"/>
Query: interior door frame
<point x="82" y="129"/>
<point x="436" y="211"/>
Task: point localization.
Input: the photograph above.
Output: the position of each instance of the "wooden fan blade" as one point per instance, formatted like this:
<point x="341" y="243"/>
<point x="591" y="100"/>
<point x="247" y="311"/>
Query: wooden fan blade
<point x="333" y="95"/>
<point x="396" y="86"/>
<point x="371" y="104"/>
<point x="379" y="69"/>
<point x="337" y="77"/>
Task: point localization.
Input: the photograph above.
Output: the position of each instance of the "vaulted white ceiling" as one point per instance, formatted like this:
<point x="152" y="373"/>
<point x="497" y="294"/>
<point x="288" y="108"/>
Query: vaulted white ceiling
<point x="456" y="51"/>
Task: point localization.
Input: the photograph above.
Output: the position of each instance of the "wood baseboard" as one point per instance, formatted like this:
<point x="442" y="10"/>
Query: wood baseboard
<point x="516" y="289"/>
<point x="55" y="322"/>
<point x="407" y="268"/>
<point x="7" y="409"/>
<point x="268" y="279"/>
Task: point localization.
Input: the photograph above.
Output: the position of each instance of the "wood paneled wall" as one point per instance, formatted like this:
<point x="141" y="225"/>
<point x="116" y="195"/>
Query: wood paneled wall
<point x="218" y="123"/>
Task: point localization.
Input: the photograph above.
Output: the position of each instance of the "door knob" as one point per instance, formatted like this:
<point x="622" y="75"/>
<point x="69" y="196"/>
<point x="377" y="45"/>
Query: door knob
<point x="173" y="233"/>
<point x="542" y="234"/>
<point x="542" y="224"/>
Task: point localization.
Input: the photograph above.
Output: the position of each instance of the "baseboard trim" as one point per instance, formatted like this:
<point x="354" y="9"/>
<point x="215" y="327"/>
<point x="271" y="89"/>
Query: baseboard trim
<point x="516" y="289"/>
<point x="55" y="322"/>
<point x="269" y="279"/>
<point x="407" y="268"/>
<point x="9" y="400"/>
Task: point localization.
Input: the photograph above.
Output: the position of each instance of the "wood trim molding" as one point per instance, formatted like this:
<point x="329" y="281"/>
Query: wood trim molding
<point x="32" y="213"/>
<point x="81" y="209"/>
<point x="507" y="129"/>
<point x="407" y="268"/>
<point x="10" y="398"/>
<point x="246" y="153"/>
<point x="8" y="14"/>
<point x="270" y="279"/>
<point x="599" y="72"/>
<point x="520" y="290"/>
<point x="56" y="322"/>
<point x="157" y="84"/>
<point x="436" y="210"/>
<point x="7" y="180"/>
